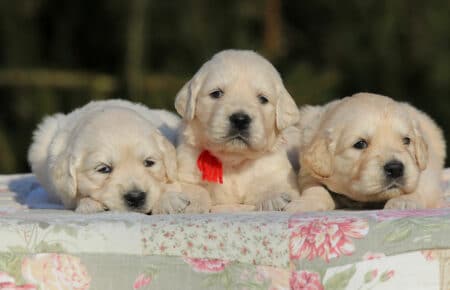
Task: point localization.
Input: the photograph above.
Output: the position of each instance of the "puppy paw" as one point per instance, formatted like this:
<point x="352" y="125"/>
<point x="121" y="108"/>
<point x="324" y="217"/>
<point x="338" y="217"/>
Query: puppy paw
<point x="306" y="204"/>
<point x="172" y="203"/>
<point x="402" y="203"/>
<point x="277" y="203"/>
<point x="198" y="206"/>
<point x="87" y="205"/>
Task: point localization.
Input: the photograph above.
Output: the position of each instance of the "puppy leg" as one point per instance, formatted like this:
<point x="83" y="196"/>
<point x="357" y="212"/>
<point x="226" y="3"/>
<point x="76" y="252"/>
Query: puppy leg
<point x="88" y="205"/>
<point x="172" y="202"/>
<point x="184" y="198"/>
<point x="313" y="198"/>
<point x="279" y="192"/>
<point x="275" y="197"/>
<point x="403" y="202"/>
<point x="277" y="203"/>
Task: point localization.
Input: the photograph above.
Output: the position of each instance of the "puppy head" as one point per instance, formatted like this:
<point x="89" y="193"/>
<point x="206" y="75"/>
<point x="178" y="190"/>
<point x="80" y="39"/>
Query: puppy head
<point x="117" y="158"/>
<point x="368" y="147"/>
<point x="236" y="103"/>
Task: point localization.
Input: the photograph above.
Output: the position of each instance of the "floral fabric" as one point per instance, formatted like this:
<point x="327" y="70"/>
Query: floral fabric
<point x="57" y="249"/>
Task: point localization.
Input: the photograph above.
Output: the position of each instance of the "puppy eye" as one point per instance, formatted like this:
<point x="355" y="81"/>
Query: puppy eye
<point x="263" y="99"/>
<point x="361" y="144"/>
<point x="104" y="169"/>
<point x="216" y="94"/>
<point x="406" y="140"/>
<point x="149" y="163"/>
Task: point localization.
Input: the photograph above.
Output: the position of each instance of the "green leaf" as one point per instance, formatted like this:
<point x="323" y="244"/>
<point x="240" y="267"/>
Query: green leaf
<point x="394" y="224"/>
<point x="387" y="275"/>
<point x="399" y="234"/>
<point x="44" y="247"/>
<point x="18" y="249"/>
<point x="151" y="271"/>
<point x="12" y="264"/>
<point x="340" y="280"/>
<point x="369" y="276"/>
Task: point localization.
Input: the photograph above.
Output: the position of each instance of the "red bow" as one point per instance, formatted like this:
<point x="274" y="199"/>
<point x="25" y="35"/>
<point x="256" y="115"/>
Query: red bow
<point x="210" y="167"/>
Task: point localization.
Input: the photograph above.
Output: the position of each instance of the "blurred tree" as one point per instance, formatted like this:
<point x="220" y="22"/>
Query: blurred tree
<point x="134" y="57"/>
<point x="273" y="41"/>
<point x="57" y="55"/>
<point x="20" y="32"/>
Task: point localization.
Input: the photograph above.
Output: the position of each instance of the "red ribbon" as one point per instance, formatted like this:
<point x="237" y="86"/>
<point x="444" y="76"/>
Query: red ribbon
<point x="210" y="167"/>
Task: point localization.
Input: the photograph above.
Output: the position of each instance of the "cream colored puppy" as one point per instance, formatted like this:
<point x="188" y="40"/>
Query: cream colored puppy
<point x="110" y="155"/>
<point x="368" y="150"/>
<point x="235" y="109"/>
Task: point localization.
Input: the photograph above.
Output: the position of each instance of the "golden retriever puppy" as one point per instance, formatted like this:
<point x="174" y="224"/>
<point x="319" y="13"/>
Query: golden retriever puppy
<point x="110" y="155"/>
<point x="235" y="109"/>
<point x="368" y="151"/>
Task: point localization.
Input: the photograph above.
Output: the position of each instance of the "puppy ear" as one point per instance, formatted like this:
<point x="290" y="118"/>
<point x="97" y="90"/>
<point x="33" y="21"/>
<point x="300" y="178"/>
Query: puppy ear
<point x="317" y="159"/>
<point x="420" y="148"/>
<point x="169" y="157"/>
<point x="287" y="113"/>
<point x="186" y="98"/>
<point x="62" y="172"/>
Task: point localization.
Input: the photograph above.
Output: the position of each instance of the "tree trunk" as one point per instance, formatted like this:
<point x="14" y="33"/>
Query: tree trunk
<point x="272" y="29"/>
<point x="135" y="41"/>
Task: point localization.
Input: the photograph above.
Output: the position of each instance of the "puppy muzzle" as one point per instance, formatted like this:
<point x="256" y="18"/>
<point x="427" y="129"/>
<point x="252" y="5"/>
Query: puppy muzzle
<point x="239" y="128"/>
<point x="240" y="121"/>
<point x="394" y="169"/>
<point x="135" y="199"/>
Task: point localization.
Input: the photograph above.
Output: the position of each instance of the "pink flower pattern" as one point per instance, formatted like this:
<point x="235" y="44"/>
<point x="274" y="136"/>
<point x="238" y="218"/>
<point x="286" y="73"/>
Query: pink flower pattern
<point x="244" y="238"/>
<point x="429" y="255"/>
<point x="56" y="271"/>
<point x="325" y="237"/>
<point x="141" y="281"/>
<point x="277" y="278"/>
<point x="8" y="283"/>
<point x="373" y="256"/>
<point x="206" y="265"/>
<point x="373" y="274"/>
<point x="13" y="286"/>
<point x="387" y="275"/>
<point x="305" y="280"/>
<point x="259" y="240"/>
<point x="6" y="278"/>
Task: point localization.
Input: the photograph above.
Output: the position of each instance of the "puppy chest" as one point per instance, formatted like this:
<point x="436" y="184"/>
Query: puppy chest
<point x="234" y="188"/>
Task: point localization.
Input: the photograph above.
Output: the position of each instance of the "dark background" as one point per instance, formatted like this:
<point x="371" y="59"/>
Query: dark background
<point x="56" y="55"/>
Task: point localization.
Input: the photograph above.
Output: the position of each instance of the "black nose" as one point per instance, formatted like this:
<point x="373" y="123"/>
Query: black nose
<point x="135" y="198"/>
<point x="394" y="169"/>
<point x="240" y="121"/>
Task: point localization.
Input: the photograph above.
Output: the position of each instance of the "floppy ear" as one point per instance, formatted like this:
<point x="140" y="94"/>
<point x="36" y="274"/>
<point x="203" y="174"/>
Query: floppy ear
<point x="169" y="157"/>
<point x="287" y="113"/>
<point x="420" y="148"/>
<point x="63" y="177"/>
<point x="317" y="159"/>
<point x="186" y="98"/>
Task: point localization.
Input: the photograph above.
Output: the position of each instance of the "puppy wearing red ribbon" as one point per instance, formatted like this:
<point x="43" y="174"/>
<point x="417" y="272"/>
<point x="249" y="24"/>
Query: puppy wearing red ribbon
<point x="235" y="111"/>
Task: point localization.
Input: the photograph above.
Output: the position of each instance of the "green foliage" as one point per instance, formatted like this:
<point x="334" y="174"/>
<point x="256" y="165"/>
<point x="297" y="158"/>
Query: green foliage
<point x="339" y="281"/>
<point x="329" y="49"/>
<point x="11" y="263"/>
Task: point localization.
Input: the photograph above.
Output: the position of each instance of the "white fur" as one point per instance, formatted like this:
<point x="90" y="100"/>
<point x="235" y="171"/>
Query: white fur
<point x="68" y="149"/>
<point x="256" y="173"/>
<point x="327" y="156"/>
